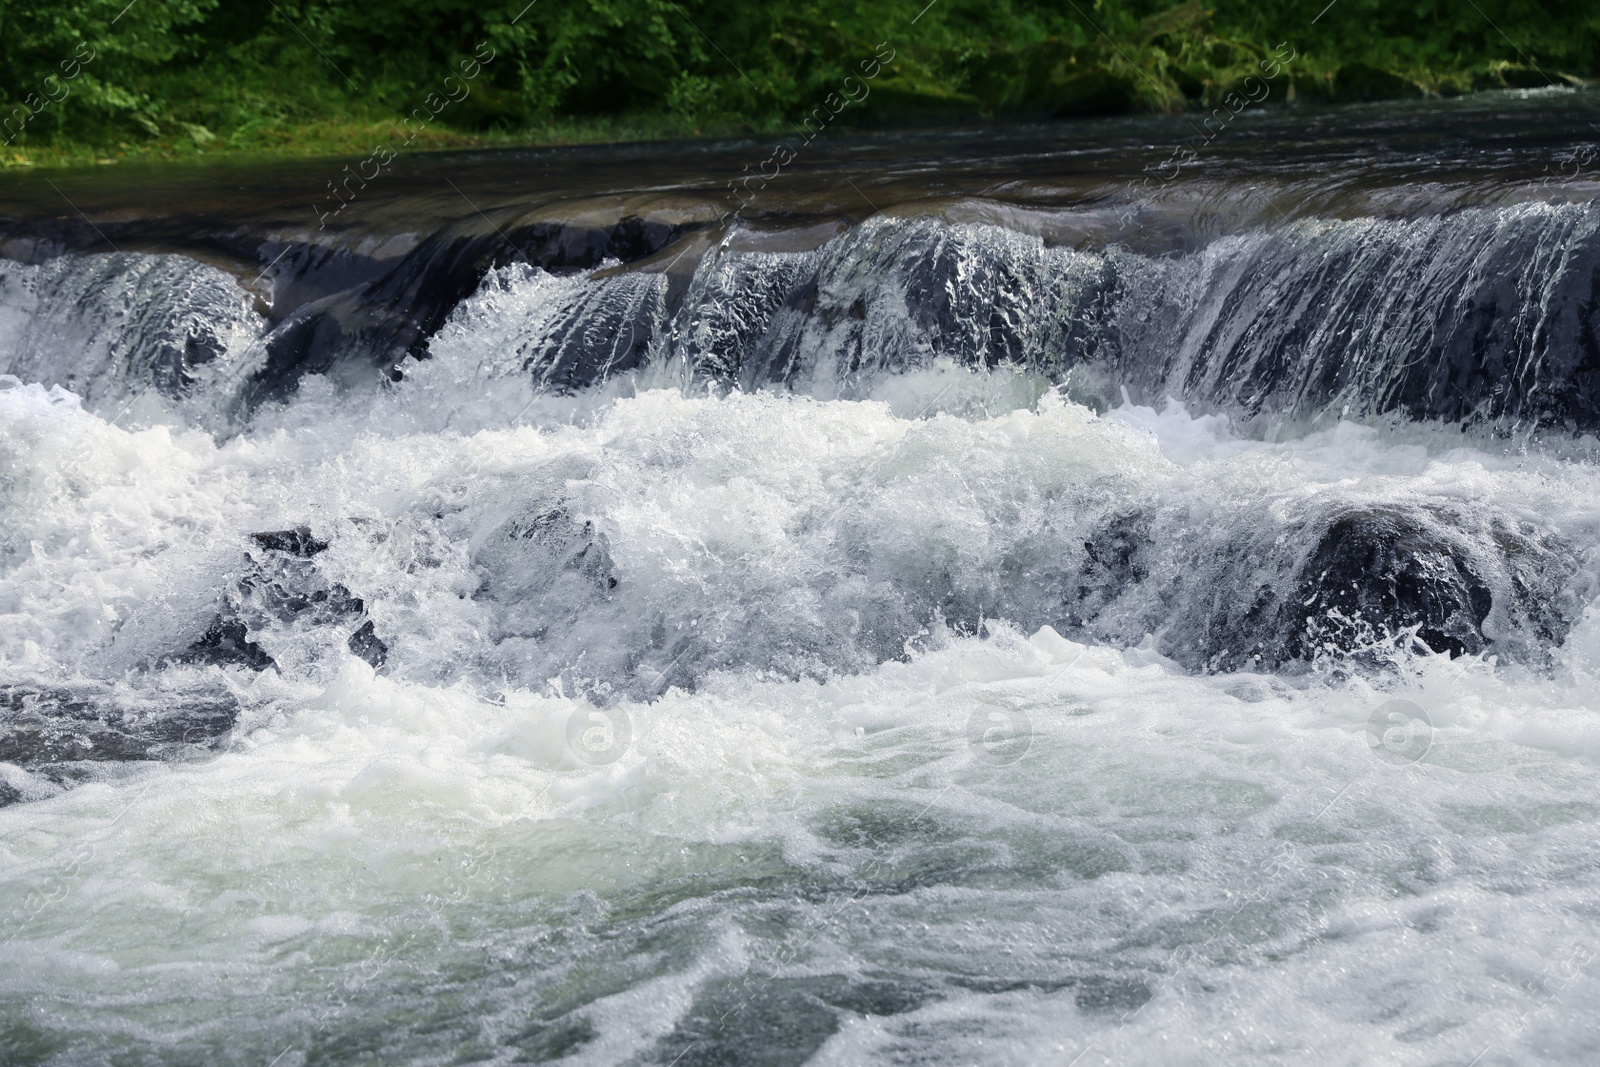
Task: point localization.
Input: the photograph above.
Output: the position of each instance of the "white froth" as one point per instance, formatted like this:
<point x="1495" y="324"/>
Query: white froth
<point x="978" y="842"/>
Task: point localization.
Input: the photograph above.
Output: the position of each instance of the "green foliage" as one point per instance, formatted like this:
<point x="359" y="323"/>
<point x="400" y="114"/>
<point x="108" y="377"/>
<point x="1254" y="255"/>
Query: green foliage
<point x="84" y="66"/>
<point x="242" y="75"/>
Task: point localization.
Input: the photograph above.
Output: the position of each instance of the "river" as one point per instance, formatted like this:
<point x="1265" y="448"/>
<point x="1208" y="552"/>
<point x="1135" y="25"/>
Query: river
<point x="967" y="597"/>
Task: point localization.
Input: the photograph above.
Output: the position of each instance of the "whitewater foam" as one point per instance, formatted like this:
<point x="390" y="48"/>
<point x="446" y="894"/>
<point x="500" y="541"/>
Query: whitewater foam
<point x="722" y="725"/>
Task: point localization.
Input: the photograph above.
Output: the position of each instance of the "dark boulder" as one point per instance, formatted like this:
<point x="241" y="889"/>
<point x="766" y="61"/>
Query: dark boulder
<point x="1374" y="581"/>
<point x="365" y="644"/>
<point x="355" y="318"/>
<point x="283" y="589"/>
<point x="226" y="642"/>
<point x="1381" y="572"/>
<point x="297" y="542"/>
<point x="1117" y="560"/>
<point x="62" y="734"/>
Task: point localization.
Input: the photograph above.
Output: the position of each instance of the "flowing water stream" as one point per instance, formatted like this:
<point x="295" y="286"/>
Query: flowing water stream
<point x="971" y="605"/>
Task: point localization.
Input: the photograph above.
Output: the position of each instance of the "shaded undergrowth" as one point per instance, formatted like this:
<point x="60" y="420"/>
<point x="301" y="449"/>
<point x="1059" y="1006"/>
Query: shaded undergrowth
<point x="88" y="81"/>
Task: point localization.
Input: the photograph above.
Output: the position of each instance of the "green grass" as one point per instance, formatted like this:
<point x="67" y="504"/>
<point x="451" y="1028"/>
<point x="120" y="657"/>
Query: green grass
<point x="349" y="137"/>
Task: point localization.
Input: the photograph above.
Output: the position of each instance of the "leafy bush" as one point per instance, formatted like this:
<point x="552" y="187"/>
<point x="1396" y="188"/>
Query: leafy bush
<point x="247" y="74"/>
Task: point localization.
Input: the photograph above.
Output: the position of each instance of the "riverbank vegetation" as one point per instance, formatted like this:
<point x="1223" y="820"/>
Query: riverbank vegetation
<point x="86" y="81"/>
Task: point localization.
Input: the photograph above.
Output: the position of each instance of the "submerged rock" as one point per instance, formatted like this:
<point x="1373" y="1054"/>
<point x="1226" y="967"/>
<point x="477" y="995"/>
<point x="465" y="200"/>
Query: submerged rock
<point x="357" y="316"/>
<point x="548" y="573"/>
<point x="1375" y="572"/>
<point x="1117" y="560"/>
<point x="1482" y="317"/>
<point x="226" y="642"/>
<point x="282" y="589"/>
<point x="1356" y="580"/>
<point x="56" y="735"/>
<point x="297" y="542"/>
<point x="116" y="327"/>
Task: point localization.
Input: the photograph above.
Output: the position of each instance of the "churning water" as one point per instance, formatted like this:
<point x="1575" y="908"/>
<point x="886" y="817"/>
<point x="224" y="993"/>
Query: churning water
<point x="962" y="634"/>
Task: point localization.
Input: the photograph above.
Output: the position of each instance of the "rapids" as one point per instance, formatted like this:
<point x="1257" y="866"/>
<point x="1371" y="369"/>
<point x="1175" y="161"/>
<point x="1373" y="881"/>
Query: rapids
<point x="1041" y="618"/>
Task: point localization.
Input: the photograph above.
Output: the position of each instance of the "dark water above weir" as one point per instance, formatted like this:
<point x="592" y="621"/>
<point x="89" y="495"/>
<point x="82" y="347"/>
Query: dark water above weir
<point x="989" y="599"/>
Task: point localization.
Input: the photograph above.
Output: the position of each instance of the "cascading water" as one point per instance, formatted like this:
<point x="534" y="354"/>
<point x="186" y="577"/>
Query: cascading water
<point x="910" y="639"/>
<point x="123" y="328"/>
